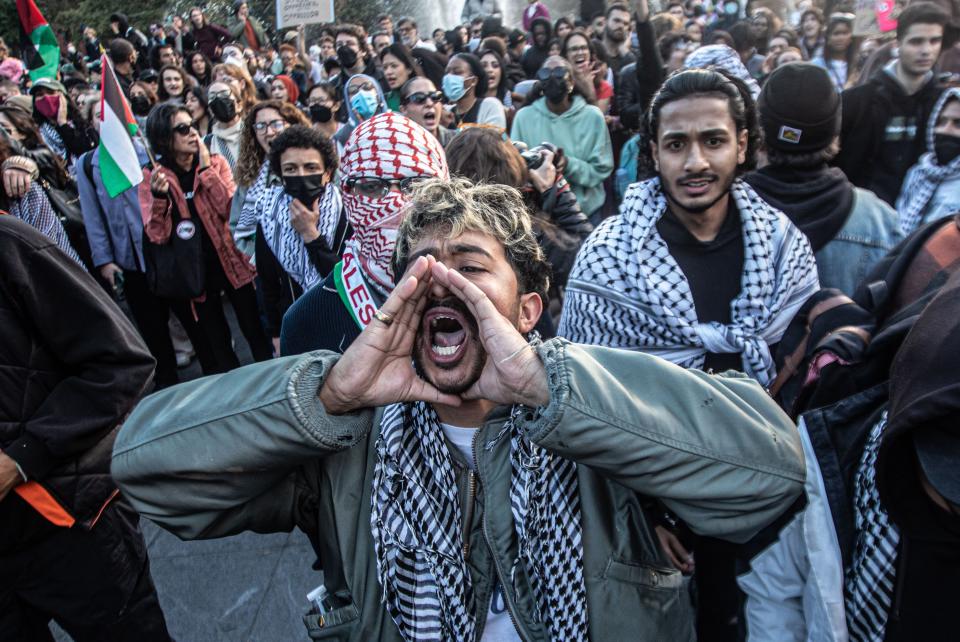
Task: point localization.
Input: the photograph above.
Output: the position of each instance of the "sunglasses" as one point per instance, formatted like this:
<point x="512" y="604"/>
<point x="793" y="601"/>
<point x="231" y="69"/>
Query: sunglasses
<point x="420" y="97"/>
<point x="560" y="73"/>
<point x="276" y="125"/>
<point x="220" y="94"/>
<point x="184" y="128"/>
<point x="375" y="187"/>
<point x="353" y="90"/>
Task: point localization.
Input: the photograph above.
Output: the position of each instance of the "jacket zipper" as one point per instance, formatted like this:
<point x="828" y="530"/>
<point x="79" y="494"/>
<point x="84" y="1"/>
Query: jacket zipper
<point x="496" y="563"/>
<point x="468" y="512"/>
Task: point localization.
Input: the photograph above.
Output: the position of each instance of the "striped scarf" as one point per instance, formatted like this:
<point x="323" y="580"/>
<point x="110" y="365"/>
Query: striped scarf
<point x="872" y="575"/>
<point x="53" y="140"/>
<point x="627" y="291"/>
<point x="417" y="530"/>
<point x="269" y="205"/>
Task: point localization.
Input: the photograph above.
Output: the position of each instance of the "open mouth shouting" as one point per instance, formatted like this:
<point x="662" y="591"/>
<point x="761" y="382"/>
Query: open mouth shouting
<point x="448" y="352"/>
<point x="445" y="333"/>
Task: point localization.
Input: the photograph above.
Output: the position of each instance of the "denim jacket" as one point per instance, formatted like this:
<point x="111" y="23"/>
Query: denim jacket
<point x="871" y="230"/>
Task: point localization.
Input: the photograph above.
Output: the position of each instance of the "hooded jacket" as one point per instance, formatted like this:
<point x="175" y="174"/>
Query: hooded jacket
<point x="582" y="133"/>
<point x="849" y="228"/>
<point x="532" y="59"/>
<point x="880" y="112"/>
<point x="352" y="116"/>
<point x="930" y="191"/>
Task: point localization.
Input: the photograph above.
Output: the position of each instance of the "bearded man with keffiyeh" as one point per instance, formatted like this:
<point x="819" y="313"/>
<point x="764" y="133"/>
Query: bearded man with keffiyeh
<point x="462" y="479"/>
<point x="696" y="269"/>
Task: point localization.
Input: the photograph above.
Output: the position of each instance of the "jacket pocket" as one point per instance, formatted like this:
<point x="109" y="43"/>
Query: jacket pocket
<point x="659" y="587"/>
<point x="332" y="625"/>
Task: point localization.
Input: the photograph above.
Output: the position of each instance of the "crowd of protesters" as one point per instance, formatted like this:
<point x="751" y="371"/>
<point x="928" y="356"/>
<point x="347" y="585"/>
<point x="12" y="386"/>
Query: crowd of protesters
<point x="767" y="196"/>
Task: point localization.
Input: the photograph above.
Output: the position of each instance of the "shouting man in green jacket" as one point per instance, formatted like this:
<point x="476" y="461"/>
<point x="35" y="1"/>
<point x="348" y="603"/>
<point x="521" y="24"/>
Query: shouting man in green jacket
<point x="460" y="479"/>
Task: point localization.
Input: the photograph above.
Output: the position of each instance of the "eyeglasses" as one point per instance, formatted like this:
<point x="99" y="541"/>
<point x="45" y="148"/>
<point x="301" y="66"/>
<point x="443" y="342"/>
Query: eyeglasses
<point x="376" y="187"/>
<point x="276" y="125"/>
<point x="580" y="49"/>
<point x="354" y="89"/>
<point x="544" y="74"/>
<point x="420" y="97"/>
<point x="184" y="129"/>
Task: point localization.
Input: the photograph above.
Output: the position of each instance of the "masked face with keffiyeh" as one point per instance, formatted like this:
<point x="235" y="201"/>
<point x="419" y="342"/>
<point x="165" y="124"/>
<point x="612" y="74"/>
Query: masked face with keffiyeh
<point x="384" y="158"/>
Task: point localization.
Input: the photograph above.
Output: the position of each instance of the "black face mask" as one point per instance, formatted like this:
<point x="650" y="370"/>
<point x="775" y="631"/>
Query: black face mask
<point x="140" y="105"/>
<point x="946" y="148"/>
<point x="320" y="113"/>
<point x="223" y="109"/>
<point x="305" y="189"/>
<point x="555" y="89"/>
<point x="347" y="57"/>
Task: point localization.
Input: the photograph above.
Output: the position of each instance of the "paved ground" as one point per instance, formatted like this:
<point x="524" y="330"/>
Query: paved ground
<point x="247" y="588"/>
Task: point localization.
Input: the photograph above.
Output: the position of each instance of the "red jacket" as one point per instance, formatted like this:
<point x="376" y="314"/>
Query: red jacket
<point x="213" y="190"/>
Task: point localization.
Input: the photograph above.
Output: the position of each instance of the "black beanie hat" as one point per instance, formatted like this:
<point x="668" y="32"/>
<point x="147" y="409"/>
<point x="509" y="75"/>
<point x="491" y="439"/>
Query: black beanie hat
<point x="799" y="109"/>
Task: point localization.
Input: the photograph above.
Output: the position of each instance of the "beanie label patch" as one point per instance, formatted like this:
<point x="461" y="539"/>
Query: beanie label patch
<point x="790" y="135"/>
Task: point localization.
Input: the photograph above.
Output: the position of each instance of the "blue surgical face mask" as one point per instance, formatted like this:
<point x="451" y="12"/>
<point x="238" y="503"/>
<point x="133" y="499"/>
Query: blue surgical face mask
<point x="453" y="87"/>
<point x="365" y="103"/>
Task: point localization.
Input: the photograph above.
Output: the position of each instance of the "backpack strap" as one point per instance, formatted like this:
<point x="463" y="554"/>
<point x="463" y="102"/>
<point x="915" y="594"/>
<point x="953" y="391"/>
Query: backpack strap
<point x="793" y="360"/>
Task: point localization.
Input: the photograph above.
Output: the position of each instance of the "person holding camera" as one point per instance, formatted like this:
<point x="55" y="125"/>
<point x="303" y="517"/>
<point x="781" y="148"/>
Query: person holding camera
<point x="559" y="110"/>
<point x="482" y="155"/>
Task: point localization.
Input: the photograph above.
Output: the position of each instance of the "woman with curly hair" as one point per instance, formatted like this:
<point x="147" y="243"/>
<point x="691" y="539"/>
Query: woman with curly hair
<point x="260" y="126"/>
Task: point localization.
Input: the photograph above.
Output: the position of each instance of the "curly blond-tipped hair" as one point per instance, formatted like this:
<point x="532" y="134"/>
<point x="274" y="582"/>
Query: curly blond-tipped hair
<point x="452" y="207"/>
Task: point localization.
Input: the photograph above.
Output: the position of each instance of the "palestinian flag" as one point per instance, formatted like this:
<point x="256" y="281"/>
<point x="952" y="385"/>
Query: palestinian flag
<point x="41" y="51"/>
<point x="119" y="165"/>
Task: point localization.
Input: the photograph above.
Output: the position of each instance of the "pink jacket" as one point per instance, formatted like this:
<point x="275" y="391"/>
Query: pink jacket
<point x="213" y="190"/>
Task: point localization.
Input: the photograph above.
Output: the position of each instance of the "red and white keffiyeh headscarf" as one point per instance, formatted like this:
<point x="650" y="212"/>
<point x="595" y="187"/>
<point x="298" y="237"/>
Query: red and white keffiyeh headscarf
<point x="393" y="147"/>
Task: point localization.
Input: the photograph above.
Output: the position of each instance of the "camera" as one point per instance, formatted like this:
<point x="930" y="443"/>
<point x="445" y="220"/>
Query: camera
<point x="534" y="156"/>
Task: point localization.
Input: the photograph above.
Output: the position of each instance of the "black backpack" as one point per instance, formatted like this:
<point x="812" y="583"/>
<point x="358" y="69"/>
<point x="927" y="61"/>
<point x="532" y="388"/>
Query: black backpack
<point x="837" y="346"/>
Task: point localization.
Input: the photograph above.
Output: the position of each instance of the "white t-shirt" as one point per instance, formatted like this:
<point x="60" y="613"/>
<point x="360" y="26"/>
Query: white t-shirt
<point x="499" y="627"/>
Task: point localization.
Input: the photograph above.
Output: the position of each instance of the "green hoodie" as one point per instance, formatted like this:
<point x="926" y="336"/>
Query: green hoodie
<point x="581" y="132"/>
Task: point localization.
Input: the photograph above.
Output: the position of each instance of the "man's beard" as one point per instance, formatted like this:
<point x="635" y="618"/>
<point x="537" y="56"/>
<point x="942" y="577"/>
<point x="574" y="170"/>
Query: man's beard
<point x="696" y="209"/>
<point x="473" y="336"/>
<point x="614" y="37"/>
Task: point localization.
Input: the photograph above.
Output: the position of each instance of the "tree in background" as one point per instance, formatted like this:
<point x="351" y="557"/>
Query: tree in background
<point x="68" y="17"/>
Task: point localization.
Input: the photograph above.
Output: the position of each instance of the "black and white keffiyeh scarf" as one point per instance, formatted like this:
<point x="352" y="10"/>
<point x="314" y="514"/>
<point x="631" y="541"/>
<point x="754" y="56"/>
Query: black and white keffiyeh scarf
<point x="871" y="577"/>
<point x="926" y="176"/>
<point x="418" y="530"/>
<point x="627" y="291"/>
<point x="269" y="205"/>
<point x="53" y="140"/>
